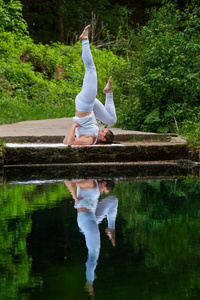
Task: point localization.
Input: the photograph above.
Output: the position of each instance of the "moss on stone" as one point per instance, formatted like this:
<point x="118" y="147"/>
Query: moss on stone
<point x="85" y="154"/>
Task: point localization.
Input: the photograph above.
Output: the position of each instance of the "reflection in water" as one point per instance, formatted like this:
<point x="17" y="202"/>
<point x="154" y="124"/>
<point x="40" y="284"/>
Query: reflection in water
<point x="91" y="212"/>
<point x="157" y="253"/>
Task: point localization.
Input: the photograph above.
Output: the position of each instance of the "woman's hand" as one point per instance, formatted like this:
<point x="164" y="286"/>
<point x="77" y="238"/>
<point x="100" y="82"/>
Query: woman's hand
<point x="70" y="137"/>
<point x="75" y="124"/>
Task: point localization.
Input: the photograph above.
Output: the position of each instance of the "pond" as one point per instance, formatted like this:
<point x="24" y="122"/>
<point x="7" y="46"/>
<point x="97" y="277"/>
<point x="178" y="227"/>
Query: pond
<point x="96" y="238"/>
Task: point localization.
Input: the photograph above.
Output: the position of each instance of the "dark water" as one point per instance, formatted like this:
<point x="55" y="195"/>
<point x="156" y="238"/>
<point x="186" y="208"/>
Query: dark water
<point x="143" y="240"/>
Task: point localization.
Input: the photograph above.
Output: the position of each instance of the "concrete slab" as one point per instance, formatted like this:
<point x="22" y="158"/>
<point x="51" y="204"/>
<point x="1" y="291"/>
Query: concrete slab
<point x="54" y="145"/>
<point x="51" y="127"/>
<point x="54" y="130"/>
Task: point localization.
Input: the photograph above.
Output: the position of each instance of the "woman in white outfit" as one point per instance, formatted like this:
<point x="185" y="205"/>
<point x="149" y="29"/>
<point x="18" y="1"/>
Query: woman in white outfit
<point x="84" y="130"/>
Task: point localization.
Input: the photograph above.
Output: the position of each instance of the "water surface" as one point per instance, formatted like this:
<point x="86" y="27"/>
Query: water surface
<point x="152" y="250"/>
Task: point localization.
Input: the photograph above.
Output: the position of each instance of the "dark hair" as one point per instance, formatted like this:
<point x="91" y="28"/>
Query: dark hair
<point x="110" y="184"/>
<point x="109" y="136"/>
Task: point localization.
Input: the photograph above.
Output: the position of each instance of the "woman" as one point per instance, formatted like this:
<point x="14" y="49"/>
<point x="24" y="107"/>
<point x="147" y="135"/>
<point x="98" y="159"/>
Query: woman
<point x="84" y="130"/>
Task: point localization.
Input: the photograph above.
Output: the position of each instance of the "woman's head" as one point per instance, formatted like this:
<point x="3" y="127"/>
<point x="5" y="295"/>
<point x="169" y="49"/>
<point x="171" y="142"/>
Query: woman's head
<point x="106" y="186"/>
<point x="105" y="137"/>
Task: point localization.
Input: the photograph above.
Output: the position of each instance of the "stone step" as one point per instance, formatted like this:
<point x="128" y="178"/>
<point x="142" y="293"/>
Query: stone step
<point x="119" y="136"/>
<point x="138" y="171"/>
<point x="22" y="154"/>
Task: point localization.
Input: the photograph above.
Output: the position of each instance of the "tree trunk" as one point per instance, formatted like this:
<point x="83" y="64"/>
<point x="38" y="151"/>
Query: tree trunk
<point x="61" y="21"/>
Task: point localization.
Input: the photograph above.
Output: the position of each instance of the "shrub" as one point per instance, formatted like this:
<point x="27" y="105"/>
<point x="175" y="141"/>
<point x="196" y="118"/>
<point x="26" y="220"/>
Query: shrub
<point x="42" y="81"/>
<point x="11" y="17"/>
<point x="162" y="83"/>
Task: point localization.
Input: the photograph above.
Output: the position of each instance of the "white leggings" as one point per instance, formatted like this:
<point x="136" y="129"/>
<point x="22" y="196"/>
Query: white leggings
<point x="86" y="100"/>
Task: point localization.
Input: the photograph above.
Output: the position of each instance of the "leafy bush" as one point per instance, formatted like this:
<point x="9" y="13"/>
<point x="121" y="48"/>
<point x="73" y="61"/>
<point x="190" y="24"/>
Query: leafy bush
<point x="41" y="81"/>
<point x="191" y="127"/>
<point x="11" y="17"/>
<point x="162" y="82"/>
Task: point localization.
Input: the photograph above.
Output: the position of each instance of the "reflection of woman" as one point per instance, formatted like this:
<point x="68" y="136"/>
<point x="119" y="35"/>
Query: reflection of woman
<point x="90" y="213"/>
<point x="107" y="207"/>
<point x="87" y="223"/>
<point x="86" y="194"/>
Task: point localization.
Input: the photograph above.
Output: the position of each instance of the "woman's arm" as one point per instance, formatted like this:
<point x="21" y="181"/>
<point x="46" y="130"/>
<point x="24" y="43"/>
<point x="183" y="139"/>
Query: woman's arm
<point x="72" y="188"/>
<point x="70" y="138"/>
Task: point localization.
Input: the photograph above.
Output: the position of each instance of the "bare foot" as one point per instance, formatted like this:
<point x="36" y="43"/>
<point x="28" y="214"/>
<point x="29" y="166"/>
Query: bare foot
<point x="108" y="87"/>
<point x="85" y="33"/>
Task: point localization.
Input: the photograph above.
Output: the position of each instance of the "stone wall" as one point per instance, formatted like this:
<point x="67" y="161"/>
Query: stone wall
<point x="94" y="154"/>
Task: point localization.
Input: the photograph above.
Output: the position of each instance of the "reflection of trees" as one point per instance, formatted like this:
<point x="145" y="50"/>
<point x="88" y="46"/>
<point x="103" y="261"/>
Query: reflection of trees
<point x="17" y="200"/>
<point x="15" y="265"/>
<point x="162" y="221"/>
<point x="16" y="203"/>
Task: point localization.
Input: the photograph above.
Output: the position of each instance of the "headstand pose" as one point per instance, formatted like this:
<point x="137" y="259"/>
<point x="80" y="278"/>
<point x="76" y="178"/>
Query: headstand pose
<point x="84" y="130"/>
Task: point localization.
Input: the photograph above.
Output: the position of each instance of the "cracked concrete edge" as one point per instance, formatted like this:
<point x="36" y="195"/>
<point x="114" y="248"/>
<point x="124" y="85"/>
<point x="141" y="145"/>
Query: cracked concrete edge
<point x="55" y="129"/>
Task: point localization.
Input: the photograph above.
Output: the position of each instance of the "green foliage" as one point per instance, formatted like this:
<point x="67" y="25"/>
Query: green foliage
<point x="42" y="81"/>
<point x="162" y="81"/>
<point x="11" y="17"/>
<point x="191" y="127"/>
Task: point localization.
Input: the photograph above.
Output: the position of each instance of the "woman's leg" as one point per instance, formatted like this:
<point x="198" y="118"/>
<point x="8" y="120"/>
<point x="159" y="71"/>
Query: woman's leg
<point x="107" y="113"/>
<point x="85" y="99"/>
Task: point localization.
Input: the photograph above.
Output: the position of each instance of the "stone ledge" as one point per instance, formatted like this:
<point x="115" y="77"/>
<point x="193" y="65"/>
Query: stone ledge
<point x="123" y="137"/>
<point x="138" y="171"/>
<point x="95" y="154"/>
